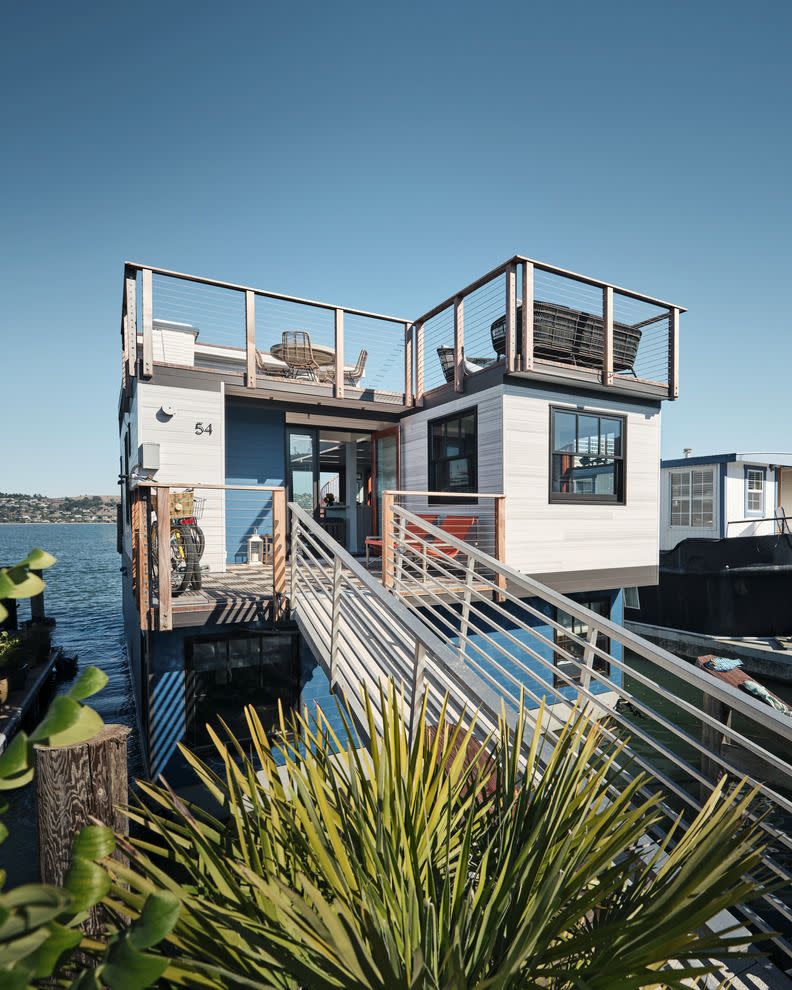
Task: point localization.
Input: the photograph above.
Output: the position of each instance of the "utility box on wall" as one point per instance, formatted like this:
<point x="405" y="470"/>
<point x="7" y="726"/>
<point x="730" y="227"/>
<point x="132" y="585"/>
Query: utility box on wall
<point x="149" y="457"/>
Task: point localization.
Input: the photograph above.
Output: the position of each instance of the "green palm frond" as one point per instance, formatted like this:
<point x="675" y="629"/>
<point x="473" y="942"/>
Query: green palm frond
<point x="448" y="859"/>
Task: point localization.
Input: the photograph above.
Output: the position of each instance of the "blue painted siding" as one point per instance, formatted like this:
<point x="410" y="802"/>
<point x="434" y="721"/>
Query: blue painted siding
<point x="254" y="455"/>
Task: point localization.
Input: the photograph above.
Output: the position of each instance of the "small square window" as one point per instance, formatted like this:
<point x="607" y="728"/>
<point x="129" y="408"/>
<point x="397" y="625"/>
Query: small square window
<point x="586" y="457"/>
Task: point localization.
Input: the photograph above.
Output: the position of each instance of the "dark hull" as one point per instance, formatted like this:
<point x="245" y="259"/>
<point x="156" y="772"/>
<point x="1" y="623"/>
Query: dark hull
<point x="735" y="587"/>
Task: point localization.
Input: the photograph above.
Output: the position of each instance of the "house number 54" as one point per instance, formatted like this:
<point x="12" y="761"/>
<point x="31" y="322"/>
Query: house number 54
<point x="201" y="428"/>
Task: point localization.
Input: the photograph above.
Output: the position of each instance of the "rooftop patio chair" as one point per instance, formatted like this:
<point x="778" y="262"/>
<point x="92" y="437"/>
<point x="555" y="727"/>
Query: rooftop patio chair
<point x="471" y="365"/>
<point x="353" y="375"/>
<point x="271" y="366"/>
<point x="298" y="354"/>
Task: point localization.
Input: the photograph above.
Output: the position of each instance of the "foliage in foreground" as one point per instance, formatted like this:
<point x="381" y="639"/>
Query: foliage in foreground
<point x="431" y="863"/>
<point x="40" y="923"/>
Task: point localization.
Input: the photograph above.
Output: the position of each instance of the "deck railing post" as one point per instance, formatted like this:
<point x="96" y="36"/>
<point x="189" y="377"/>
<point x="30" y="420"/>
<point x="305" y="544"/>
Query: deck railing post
<point x="511" y="318"/>
<point x="500" y="537"/>
<point x="419" y="363"/>
<point x="399" y="547"/>
<point x="250" y="338"/>
<point x="464" y="621"/>
<point x="339" y="354"/>
<point x="148" y="309"/>
<point x="673" y="353"/>
<point x="418" y="687"/>
<point x="607" y="335"/>
<point x="295" y="550"/>
<point x="140" y="555"/>
<point x="335" y="621"/>
<point x="408" y="364"/>
<point x="459" y="344"/>
<point x="130" y="320"/>
<point x="527" y="350"/>
<point x="278" y="551"/>
<point x="387" y="539"/>
<point x="164" y="559"/>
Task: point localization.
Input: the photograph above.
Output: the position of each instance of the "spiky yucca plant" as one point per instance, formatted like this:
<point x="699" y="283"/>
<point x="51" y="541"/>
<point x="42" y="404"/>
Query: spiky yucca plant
<point x="428" y="863"/>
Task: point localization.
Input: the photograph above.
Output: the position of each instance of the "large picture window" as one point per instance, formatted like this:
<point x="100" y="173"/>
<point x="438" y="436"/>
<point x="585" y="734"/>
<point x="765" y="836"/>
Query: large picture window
<point x="453" y="453"/>
<point x="693" y="497"/>
<point x="586" y="457"/>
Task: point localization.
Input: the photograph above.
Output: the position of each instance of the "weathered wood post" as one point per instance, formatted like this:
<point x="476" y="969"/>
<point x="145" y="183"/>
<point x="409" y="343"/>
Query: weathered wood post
<point x="37" y="611"/>
<point x="712" y="739"/>
<point x="74" y="785"/>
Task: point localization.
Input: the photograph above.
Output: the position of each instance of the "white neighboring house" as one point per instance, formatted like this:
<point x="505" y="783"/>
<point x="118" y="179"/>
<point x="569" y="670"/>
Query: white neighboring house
<point x="716" y="496"/>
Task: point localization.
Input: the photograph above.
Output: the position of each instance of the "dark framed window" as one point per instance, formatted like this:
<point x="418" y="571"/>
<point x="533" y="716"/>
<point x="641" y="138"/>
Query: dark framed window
<point x="224" y="674"/>
<point x="586" y="457"/>
<point x="601" y="606"/>
<point x="453" y="454"/>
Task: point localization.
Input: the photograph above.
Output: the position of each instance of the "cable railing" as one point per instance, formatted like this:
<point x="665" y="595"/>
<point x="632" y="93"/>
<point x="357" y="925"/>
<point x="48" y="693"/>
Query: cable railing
<point x="525" y="641"/>
<point x="530" y="317"/>
<point x="186" y="321"/>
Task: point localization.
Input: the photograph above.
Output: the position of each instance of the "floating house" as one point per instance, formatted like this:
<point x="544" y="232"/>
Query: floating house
<point x="726" y="546"/>
<point x="540" y="448"/>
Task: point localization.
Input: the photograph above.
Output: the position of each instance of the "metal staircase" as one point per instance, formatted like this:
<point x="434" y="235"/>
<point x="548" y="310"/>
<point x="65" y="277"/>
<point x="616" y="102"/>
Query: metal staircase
<point x="455" y="622"/>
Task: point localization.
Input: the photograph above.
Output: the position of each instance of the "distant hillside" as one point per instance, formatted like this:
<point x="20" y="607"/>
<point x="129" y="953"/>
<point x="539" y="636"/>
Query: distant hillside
<point x="18" y="508"/>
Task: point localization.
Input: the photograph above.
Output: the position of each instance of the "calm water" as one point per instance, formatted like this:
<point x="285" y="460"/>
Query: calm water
<point x="84" y="596"/>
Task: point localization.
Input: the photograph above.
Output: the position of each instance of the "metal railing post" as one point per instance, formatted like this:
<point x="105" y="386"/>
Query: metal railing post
<point x="164" y="559"/>
<point x="607" y="335"/>
<point x="335" y="620"/>
<point x="408" y="364"/>
<point x="527" y="350"/>
<point x="673" y="353"/>
<point x="295" y="550"/>
<point x="148" y="308"/>
<point x="418" y="686"/>
<point x="398" y="552"/>
<point x="588" y="661"/>
<point x="130" y="320"/>
<point x="339" y="354"/>
<point x="511" y="318"/>
<point x="500" y="538"/>
<point x="387" y="539"/>
<point x="250" y="338"/>
<point x="419" y="362"/>
<point x="459" y="344"/>
<point x="464" y="622"/>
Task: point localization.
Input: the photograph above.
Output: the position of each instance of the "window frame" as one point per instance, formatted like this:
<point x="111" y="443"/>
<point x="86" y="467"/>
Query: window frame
<point x="588" y="498"/>
<point x="689" y="471"/>
<point x="432" y="462"/>
<point x="603" y="642"/>
<point x="761" y="491"/>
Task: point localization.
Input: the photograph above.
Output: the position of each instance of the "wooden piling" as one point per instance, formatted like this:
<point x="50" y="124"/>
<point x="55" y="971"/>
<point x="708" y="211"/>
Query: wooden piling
<point x="76" y="785"/>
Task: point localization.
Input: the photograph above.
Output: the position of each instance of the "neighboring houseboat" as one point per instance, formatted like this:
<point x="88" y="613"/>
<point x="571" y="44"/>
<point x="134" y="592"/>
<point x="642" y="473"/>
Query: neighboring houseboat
<point x="237" y="401"/>
<point x="726" y="547"/>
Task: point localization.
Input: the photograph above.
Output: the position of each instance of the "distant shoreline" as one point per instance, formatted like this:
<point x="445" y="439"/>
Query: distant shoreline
<point x="49" y="522"/>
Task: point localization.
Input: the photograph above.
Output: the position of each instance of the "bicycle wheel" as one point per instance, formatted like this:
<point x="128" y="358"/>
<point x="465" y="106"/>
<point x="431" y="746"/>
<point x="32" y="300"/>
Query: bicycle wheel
<point x="197" y="546"/>
<point x="182" y="553"/>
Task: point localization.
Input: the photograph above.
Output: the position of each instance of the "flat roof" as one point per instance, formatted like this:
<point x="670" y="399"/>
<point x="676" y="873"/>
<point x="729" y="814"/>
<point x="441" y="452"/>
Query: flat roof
<point x="779" y="458"/>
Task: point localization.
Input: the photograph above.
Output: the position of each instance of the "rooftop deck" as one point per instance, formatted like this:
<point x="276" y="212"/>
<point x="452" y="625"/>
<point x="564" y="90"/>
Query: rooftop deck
<point x="577" y="328"/>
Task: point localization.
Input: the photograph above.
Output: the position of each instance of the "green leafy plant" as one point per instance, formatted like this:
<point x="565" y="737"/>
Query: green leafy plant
<point x="433" y="862"/>
<point x="39" y="923"/>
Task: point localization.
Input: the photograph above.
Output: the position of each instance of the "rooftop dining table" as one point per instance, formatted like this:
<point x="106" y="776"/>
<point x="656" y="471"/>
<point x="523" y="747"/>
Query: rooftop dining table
<point x="324" y="355"/>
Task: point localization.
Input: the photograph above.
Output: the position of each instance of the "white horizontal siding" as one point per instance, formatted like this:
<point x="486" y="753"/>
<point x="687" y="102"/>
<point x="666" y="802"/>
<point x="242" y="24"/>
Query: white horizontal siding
<point x="186" y="457"/>
<point x="671" y="535"/>
<point x="544" y="537"/>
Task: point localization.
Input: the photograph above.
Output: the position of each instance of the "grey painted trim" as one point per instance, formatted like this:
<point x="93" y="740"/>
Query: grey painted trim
<point x="604" y="579"/>
<point x="711" y="459"/>
<point x="721" y="500"/>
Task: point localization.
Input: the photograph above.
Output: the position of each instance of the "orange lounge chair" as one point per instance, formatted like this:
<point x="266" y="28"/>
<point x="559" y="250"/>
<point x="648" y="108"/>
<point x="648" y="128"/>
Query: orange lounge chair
<point x="457" y="526"/>
<point x="376" y="541"/>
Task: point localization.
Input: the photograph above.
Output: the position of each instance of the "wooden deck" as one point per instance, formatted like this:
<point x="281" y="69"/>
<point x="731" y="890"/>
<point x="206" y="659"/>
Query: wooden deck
<point x="241" y="594"/>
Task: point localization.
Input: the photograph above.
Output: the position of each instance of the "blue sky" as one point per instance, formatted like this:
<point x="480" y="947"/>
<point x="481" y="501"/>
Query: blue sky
<point x="383" y="156"/>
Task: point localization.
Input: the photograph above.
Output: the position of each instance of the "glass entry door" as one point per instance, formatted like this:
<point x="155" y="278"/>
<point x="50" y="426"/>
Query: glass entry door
<point x="385" y="468"/>
<point x="303" y="469"/>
